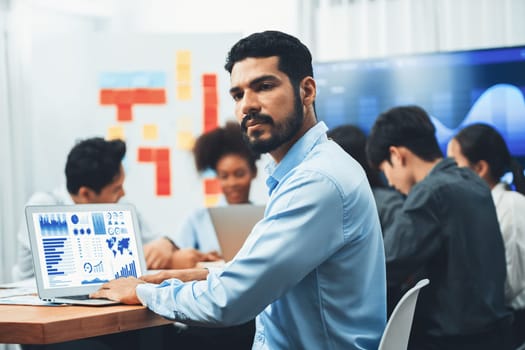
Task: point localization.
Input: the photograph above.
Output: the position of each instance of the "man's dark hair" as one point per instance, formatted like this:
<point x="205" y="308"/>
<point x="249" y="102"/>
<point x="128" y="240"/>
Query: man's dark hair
<point x="404" y="126"/>
<point x="94" y="163"/>
<point x="210" y="147"/>
<point x="483" y="142"/>
<point x="295" y="59"/>
<point x="353" y="140"/>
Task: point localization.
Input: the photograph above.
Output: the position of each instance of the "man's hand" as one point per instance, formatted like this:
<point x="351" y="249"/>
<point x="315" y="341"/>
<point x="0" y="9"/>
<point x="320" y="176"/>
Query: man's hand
<point x="122" y="290"/>
<point x="183" y="275"/>
<point x="158" y="253"/>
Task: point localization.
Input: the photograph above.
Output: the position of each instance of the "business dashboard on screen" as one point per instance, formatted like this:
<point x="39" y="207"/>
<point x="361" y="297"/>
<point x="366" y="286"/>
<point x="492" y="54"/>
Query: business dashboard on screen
<point x="456" y="88"/>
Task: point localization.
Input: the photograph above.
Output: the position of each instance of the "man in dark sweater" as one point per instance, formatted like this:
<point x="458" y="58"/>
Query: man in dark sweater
<point x="447" y="231"/>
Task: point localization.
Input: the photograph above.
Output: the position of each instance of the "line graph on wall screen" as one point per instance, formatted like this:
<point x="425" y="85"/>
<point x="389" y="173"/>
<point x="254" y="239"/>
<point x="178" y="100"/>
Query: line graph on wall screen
<point x="456" y="88"/>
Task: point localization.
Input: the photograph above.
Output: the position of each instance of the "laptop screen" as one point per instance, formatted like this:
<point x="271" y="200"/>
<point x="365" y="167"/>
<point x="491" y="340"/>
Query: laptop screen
<point x="233" y="224"/>
<point x="81" y="246"/>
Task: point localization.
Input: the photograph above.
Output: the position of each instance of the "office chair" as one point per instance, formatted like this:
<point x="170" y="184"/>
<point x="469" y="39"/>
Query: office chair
<point x="397" y="330"/>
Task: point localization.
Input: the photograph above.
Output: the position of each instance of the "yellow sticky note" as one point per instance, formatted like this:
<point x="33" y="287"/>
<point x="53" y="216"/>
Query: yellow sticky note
<point x="184" y="74"/>
<point x="150" y="132"/>
<point x="116" y="132"/>
<point x="185" y="140"/>
<point x="183" y="57"/>
<point x="184" y="92"/>
<point x="211" y="200"/>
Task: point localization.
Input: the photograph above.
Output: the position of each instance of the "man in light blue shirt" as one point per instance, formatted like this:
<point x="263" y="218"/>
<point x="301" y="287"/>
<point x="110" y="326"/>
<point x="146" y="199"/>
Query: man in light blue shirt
<point x="313" y="268"/>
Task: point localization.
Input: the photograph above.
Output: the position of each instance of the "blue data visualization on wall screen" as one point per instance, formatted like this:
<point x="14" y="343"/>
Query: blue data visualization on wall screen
<point x="455" y="88"/>
<point x="82" y="248"/>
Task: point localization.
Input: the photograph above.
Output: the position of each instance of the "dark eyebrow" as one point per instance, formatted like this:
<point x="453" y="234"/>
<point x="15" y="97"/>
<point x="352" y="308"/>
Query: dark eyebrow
<point x="255" y="82"/>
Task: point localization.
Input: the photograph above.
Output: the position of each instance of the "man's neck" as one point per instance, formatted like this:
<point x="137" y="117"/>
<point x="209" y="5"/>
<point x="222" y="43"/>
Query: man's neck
<point x="422" y="167"/>
<point x="279" y="153"/>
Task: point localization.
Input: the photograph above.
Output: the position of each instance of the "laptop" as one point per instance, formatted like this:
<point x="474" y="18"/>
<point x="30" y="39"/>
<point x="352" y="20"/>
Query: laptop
<point x="77" y="248"/>
<point x="233" y="224"/>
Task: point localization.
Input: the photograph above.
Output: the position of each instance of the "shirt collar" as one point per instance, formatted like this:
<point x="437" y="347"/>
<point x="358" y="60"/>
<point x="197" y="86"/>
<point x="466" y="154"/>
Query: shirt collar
<point x="443" y="164"/>
<point x="295" y="155"/>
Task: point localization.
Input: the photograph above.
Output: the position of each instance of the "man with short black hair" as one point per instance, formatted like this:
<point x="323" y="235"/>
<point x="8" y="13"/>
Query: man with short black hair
<point x="94" y="174"/>
<point x="447" y="231"/>
<point x="312" y="270"/>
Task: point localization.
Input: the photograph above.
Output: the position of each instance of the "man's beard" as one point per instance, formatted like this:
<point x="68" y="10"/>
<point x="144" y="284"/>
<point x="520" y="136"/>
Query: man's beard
<point x="280" y="133"/>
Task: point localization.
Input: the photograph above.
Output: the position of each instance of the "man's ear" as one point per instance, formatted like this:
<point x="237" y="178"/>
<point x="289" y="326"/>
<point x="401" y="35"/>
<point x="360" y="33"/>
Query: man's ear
<point x="397" y="156"/>
<point x="308" y="91"/>
<point x="85" y="195"/>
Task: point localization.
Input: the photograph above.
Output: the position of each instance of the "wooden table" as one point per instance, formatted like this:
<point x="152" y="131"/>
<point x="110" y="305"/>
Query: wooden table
<point x="21" y="324"/>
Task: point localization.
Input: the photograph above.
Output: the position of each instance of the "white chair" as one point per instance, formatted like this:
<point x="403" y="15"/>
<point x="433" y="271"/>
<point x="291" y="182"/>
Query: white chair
<point x="397" y="330"/>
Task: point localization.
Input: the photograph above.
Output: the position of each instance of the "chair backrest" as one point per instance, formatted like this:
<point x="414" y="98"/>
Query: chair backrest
<point x="397" y="330"/>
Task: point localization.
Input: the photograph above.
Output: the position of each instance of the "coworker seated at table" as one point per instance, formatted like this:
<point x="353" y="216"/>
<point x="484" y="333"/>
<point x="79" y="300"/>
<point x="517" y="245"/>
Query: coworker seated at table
<point x="312" y="272"/>
<point x="94" y="174"/>
<point x="353" y="140"/>
<point x="447" y="231"/>
<point x="224" y="151"/>
<point x="482" y="149"/>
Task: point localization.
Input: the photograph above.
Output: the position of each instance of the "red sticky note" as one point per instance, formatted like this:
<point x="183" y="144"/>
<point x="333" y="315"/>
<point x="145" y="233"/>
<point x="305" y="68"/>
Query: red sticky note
<point x="124" y="113"/>
<point x="163" y="189"/>
<point x="212" y="186"/>
<point x="162" y="155"/>
<point x="107" y="96"/>
<point x="210" y="97"/>
<point x="163" y="172"/>
<point x="209" y="80"/>
<point x="124" y="96"/>
<point x="145" y="155"/>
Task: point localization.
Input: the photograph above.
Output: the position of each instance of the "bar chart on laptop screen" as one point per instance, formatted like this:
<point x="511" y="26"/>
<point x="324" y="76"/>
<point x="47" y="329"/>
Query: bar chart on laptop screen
<point x="86" y="247"/>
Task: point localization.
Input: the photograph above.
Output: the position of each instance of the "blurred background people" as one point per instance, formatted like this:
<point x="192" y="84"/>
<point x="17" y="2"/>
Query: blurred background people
<point x="447" y="231"/>
<point x="224" y="151"/>
<point x="481" y="148"/>
<point x="94" y="174"/>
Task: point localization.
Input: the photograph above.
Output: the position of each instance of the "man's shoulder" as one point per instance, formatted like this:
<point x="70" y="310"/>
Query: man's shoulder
<point x="42" y="198"/>
<point x="454" y="177"/>
<point x="328" y="155"/>
<point x="449" y="188"/>
<point x="57" y="196"/>
<point x="330" y="161"/>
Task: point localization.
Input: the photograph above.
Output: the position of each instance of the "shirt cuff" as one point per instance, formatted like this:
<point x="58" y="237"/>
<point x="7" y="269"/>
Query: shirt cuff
<point x="144" y="292"/>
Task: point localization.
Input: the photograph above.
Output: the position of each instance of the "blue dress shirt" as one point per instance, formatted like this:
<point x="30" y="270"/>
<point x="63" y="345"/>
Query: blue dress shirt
<point x="312" y="269"/>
